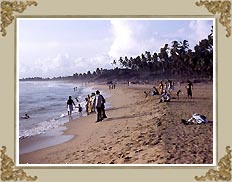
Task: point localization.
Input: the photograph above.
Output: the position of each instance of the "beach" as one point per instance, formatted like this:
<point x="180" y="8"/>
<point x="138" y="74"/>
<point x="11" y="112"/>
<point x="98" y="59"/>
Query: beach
<point x="138" y="130"/>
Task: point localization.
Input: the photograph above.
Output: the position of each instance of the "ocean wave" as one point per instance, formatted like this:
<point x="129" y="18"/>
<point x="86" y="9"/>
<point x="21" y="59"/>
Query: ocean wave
<point x="47" y="107"/>
<point x="42" y="127"/>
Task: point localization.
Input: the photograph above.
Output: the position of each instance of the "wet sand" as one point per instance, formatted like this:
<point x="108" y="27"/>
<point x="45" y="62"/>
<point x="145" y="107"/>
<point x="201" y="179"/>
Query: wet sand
<point x="138" y="130"/>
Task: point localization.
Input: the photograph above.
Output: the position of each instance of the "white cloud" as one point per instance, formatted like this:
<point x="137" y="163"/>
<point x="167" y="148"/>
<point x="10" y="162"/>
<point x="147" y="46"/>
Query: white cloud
<point x="124" y="41"/>
<point x="199" y="29"/>
<point x="63" y="65"/>
<point x="132" y="39"/>
<point x="195" y="31"/>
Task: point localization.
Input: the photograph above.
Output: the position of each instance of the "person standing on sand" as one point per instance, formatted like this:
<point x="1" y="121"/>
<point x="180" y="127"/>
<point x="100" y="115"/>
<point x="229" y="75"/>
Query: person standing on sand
<point x="80" y="109"/>
<point x="99" y="104"/>
<point x="103" y="109"/>
<point x="92" y="102"/>
<point x="88" y="105"/>
<point x="189" y="88"/>
<point x="170" y="86"/>
<point x="70" y="104"/>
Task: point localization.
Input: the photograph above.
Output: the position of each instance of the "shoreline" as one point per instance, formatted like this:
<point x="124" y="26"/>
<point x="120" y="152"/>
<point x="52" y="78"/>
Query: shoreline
<point x="50" y="137"/>
<point x="138" y="130"/>
<point x="54" y="137"/>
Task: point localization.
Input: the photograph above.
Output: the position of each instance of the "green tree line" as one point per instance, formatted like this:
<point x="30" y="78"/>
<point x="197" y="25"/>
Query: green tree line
<point x="175" y="60"/>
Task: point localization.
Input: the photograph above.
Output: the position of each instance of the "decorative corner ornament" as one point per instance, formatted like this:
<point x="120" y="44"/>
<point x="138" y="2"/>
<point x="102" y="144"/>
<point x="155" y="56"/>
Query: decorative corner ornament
<point x="224" y="169"/>
<point x="7" y="9"/>
<point x="7" y="169"/>
<point x="221" y="7"/>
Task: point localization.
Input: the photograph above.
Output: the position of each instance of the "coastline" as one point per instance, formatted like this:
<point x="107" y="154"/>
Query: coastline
<point x="138" y="130"/>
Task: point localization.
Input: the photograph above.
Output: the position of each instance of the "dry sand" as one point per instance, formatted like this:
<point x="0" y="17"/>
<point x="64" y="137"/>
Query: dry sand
<point x="138" y="130"/>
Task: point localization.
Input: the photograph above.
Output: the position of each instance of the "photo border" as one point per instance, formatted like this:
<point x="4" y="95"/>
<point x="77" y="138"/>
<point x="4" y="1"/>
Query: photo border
<point x="144" y="17"/>
<point x="228" y="156"/>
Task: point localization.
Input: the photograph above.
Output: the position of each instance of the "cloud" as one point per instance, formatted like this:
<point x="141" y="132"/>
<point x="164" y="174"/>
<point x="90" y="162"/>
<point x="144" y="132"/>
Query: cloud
<point x="132" y="38"/>
<point x="199" y="29"/>
<point x="194" y="31"/>
<point x="62" y="65"/>
<point x="123" y="41"/>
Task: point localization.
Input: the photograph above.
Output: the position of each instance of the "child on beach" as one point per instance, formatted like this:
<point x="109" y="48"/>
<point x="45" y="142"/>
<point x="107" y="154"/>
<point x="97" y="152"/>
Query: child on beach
<point x="70" y="104"/>
<point x="79" y="109"/>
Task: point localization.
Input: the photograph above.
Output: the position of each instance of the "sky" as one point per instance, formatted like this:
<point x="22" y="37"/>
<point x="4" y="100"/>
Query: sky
<point x="61" y="47"/>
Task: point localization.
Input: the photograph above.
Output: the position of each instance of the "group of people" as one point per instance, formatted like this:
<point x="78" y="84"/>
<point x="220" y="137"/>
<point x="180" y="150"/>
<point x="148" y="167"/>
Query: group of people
<point x="111" y="84"/>
<point x="165" y="90"/>
<point x="94" y="103"/>
<point x="74" y="89"/>
<point x="167" y="86"/>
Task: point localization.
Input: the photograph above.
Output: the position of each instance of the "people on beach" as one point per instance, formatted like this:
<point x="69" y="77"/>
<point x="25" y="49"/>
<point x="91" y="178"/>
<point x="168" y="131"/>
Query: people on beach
<point x="165" y="97"/>
<point x="79" y="109"/>
<point x="160" y="87"/>
<point x="99" y="103"/>
<point x="170" y="86"/>
<point x="155" y="91"/>
<point x="189" y="88"/>
<point x="70" y="104"/>
<point x="103" y="109"/>
<point x="111" y="85"/>
<point x="88" y="104"/>
<point x="76" y="99"/>
<point x="195" y="119"/>
<point x="178" y="94"/>
<point x="92" y="102"/>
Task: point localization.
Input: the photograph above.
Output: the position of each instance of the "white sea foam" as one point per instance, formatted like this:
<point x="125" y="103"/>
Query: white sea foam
<point x="41" y="128"/>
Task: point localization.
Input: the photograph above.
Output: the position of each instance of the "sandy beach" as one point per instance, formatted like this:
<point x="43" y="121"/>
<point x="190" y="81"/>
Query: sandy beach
<point x="138" y="130"/>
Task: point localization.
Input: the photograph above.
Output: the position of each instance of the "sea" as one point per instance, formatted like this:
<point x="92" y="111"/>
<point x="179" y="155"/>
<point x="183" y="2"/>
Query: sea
<point x="45" y="103"/>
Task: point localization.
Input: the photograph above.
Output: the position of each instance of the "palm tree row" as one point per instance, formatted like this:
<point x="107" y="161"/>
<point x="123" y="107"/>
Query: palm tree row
<point x="175" y="60"/>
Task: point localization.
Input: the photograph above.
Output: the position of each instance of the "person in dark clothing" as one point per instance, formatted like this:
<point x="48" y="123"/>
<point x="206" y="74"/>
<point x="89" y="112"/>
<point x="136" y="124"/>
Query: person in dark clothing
<point x="189" y="88"/>
<point x="80" y="109"/>
<point x="100" y="107"/>
<point x="70" y="104"/>
<point x="103" y="109"/>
